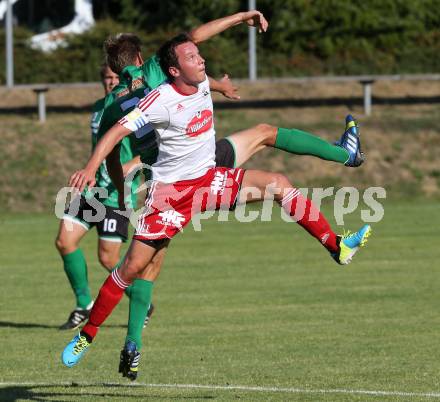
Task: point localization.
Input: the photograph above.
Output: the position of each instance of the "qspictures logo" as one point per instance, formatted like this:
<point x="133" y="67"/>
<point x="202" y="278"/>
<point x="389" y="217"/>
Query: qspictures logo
<point x="345" y="201"/>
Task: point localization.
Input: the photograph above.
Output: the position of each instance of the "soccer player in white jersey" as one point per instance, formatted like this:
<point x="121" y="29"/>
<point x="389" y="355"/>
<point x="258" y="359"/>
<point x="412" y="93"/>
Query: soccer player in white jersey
<point x="186" y="181"/>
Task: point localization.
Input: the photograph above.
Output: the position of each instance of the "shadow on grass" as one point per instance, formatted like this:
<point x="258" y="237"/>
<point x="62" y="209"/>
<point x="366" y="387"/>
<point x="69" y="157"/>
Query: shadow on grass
<point x="257" y="104"/>
<point x="7" y="324"/>
<point x="24" y="325"/>
<point x="44" y="392"/>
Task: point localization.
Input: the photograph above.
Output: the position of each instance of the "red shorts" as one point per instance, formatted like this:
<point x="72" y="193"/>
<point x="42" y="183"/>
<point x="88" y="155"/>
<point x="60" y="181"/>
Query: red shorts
<point x="170" y="207"/>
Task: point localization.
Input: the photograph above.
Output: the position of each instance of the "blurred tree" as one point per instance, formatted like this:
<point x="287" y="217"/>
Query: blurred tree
<point x="305" y="37"/>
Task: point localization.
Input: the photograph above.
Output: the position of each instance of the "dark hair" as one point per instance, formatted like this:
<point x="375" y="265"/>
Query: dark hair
<point x="121" y="51"/>
<point x="102" y="69"/>
<point x="167" y="53"/>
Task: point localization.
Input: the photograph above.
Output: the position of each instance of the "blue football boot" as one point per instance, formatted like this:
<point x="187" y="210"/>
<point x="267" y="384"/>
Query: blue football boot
<point x="350" y="243"/>
<point x="129" y="361"/>
<point x="74" y="350"/>
<point x="350" y="141"/>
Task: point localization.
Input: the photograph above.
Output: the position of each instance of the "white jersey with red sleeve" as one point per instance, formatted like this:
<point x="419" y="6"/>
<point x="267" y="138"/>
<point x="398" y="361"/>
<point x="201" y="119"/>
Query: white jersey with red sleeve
<point x="184" y="126"/>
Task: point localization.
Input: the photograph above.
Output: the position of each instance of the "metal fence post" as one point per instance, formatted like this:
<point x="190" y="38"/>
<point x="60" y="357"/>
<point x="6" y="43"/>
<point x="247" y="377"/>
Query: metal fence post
<point x="252" y="46"/>
<point x="41" y="100"/>
<point x="9" y="46"/>
<point x="367" y="84"/>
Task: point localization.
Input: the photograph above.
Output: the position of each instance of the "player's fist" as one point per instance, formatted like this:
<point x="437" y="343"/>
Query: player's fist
<point x="255" y="19"/>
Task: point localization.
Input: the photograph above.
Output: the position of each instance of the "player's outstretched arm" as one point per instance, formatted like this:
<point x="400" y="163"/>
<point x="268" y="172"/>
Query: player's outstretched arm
<point x="86" y="176"/>
<point x="224" y="86"/>
<point x="253" y="18"/>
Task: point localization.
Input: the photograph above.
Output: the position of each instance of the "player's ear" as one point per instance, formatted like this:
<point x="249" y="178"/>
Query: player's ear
<point x="174" y="71"/>
<point x="139" y="59"/>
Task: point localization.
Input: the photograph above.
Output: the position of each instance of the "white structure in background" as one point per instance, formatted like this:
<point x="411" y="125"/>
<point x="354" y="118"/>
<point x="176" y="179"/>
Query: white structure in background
<point x="82" y="21"/>
<point x="47" y="41"/>
<point x="4" y="6"/>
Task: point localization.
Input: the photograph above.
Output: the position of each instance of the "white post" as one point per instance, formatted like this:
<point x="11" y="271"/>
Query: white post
<point x="367" y="97"/>
<point x="252" y="46"/>
<point x="9" y="47"/>
<point x="41" y="107"/>
<point x="41" y="100"/>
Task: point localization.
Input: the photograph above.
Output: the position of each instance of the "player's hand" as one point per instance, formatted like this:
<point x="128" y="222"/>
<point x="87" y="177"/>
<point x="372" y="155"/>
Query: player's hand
<point x="228" y="89"/>
<point x="82" y="178"/>
<point x="255" y="19"/>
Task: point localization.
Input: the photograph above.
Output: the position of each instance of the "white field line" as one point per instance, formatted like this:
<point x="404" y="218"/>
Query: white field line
<point x="228" y="388"/>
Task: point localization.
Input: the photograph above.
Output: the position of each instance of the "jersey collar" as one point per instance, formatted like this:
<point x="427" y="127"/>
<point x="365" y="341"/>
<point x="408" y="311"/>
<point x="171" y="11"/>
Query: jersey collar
<point x="130" y="73"/>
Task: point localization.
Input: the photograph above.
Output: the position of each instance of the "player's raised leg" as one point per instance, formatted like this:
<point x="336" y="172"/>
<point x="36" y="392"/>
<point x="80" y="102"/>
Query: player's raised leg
<point x="70" y="233"/>
<point x="248" y="142"/>
<point x="304" y="212"/>
<point x="351" y="142"/>
<point x="137" y="258"/>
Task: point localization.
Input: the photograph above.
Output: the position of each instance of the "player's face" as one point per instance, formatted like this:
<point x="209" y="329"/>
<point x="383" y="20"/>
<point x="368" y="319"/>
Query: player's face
<point x="191" y="64"/>
<point x="109" y="80"/>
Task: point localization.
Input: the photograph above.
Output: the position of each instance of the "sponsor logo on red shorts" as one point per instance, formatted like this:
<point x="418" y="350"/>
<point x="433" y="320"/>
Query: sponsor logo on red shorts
<point x="171" y="218"/>
<point x="199" y="124"/>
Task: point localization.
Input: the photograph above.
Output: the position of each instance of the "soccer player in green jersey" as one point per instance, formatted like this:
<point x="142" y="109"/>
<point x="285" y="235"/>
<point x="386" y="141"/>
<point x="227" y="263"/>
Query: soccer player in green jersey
<point x="112" y="227"/>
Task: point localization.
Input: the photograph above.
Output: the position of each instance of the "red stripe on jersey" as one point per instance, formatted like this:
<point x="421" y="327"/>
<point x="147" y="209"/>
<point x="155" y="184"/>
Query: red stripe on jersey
<point x="145" y="98"/>
<point x="149" y="95"/>
<point x="148" y="103"/>
<point x="122" y="121"/>
<point x="148" y="100"/>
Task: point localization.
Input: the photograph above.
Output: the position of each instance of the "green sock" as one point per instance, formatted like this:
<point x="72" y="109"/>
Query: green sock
<point x="128" y="290"/>
<point x="76" y="270"/>
<point x="303" y="143"/>
<point x="140" y="299"/>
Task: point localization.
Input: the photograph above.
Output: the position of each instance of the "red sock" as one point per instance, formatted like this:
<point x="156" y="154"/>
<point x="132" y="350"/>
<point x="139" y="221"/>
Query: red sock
<point x="109" y="296"/>
<point x="302" y="210"/>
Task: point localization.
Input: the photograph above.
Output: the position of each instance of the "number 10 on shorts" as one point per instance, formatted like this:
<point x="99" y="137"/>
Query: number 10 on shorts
<point x="109" y="225"/>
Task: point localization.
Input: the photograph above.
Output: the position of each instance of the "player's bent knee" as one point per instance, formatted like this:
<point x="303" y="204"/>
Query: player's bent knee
<point x="280" y="183"/>
<point x="131" y="267"/>
<point x="63" y="245"/>
<point x="267" y="132"/>
<point x="264" y="127"/>
<point x="58" y="244"/>
<point x="107" y="261"/>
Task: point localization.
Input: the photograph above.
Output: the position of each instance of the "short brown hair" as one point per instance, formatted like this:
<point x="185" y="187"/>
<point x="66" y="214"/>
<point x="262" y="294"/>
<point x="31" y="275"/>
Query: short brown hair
<point x="121" y="51"/>
<point x="167" y="53"/>
<point x="102" y="69"/>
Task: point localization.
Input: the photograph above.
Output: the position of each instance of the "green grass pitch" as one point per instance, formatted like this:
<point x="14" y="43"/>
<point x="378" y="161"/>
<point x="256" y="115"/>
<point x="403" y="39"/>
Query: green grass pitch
<point x="259" y="305"/>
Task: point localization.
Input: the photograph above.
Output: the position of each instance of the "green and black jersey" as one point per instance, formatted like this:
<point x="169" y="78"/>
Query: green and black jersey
<point x="135" y="83"/>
